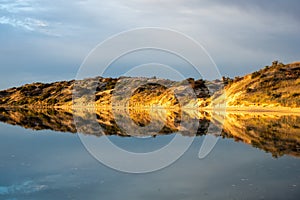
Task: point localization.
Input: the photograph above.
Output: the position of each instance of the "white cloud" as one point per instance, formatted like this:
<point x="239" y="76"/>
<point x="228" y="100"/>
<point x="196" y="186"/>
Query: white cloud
<point x="29" y="24"/>
<point x="26" y="15"/>
<point x="17" y="6"/>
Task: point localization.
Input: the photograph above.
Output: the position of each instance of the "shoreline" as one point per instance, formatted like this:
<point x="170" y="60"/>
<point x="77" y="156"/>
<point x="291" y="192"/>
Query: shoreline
<point x="230" y="109"/>
<point x="256" y="109"/>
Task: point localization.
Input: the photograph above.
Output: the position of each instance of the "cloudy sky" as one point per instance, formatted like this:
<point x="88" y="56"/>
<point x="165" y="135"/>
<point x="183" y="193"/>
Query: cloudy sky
<point x="48" y="40"/>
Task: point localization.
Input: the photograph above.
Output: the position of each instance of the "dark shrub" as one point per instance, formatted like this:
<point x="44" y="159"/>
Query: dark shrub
<point x="255" y="74"/>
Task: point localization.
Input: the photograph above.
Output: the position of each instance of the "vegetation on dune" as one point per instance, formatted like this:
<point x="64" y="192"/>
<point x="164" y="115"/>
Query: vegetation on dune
<point x="275" y="85"/>
<point x="100" y="91"/>
<point x="37" y="94"/>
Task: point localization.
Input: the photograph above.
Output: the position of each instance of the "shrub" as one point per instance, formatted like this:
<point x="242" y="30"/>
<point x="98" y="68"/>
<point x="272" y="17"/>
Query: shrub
<point x="255" y="74"/>
<point x="276" y="95"/>
<point x="68" y="99"/>
<point x="28" y="88"/>
<point x="45" y="95"/>
<point x="52" y="101"/>
<point x="237" y="78"/>
<point x="248" y="90"/>
<point x="295" y="94"/>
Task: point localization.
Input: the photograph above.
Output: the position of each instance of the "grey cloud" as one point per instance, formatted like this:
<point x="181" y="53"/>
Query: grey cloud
<point x="274" y="7"/>
<point x="236" y="32"/>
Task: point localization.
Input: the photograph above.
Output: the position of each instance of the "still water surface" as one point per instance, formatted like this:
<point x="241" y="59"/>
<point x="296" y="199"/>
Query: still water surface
<point x="256" y="157"/>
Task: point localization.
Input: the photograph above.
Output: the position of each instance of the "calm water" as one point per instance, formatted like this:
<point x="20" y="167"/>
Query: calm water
<point x="48" y="164"/>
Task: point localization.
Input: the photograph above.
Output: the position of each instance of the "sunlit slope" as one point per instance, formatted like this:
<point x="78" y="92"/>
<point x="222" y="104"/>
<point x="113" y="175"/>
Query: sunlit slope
<point x="273" y="86"/>
<point x="277" y="85"/>
<point x="103" y="92"/>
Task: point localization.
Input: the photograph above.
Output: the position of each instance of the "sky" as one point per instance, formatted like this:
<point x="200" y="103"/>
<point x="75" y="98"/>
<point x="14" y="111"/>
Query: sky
<point x="48" y="40"/>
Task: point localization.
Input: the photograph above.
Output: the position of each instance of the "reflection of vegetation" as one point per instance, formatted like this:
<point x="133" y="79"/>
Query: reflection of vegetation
<point x="57" y="120"/>
<point x="276" y="134"/>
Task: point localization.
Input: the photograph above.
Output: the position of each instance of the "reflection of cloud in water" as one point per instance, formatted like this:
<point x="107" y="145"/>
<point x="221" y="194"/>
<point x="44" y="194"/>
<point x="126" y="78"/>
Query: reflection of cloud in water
<point x="26" y="187"/>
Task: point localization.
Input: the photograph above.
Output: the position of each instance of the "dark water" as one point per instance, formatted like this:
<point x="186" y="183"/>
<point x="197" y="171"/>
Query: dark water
<point x="48" y="164"/>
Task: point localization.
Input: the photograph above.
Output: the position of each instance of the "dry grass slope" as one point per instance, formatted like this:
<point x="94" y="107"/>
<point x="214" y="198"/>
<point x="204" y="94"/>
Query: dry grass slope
<point x="277" y="85"/>
<point x="273" y="86"/>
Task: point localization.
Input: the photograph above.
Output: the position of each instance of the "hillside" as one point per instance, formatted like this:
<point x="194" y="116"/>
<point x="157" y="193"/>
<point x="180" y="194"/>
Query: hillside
<point x="38" y="94"/>
<point x="277" y="85"/>
<point x="99" y="91"/>
<point x="272" y="86"/>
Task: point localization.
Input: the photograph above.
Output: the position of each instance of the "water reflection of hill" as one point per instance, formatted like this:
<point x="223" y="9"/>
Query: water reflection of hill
<point x="56" y="120"/>
<point x="277" y="134"/>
